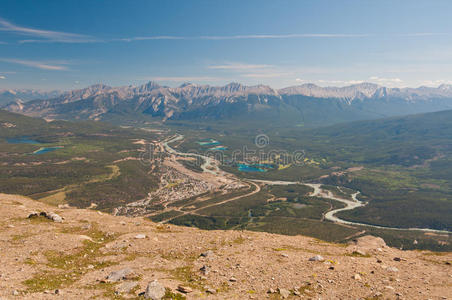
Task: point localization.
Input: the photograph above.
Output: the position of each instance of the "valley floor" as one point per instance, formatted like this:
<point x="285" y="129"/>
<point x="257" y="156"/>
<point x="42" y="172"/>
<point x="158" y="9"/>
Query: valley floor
<point x="74" y="257"/>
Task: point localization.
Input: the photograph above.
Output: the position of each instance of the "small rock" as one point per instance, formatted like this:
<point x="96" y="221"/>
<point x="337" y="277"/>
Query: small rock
<point x="10" y="226"/>
<point x="57" y="292"/>
<point x="120" y="275"/>
<point x="317" y="258"/>
<point x="359" y="253"/>
<point x="388" y="287"/>
<point x="392" y="269"/>
<point x="205" y="270"/>
<point x="284" y="255"/>
<point x="184" y="289"/>
<point x="154" y="291"/>
<point x="271" y="291"/>
<point x="33" y="214"/>
<point x="122" y="223"/>
<point x="140" y="236"/>
<point x="54" y="217"/>
<point x="357" y="277"/>
<point x="63" y="206"/>
<point x="211" y="291"/>
<point x="397" y="259"/>
<point x="331" y="268"/>
<point x="15" y="293"/>
<point x="284" y="293"/>
<point x="232" y="279"/>
<point x="207" y="254"/>
<point x="379" y="261"/>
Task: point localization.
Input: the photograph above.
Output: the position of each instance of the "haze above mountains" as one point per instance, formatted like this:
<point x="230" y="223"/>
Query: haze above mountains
<point x="306" y="104"/>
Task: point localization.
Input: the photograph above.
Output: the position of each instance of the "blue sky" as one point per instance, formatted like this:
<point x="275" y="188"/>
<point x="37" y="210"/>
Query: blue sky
<point x="73" y="44"/>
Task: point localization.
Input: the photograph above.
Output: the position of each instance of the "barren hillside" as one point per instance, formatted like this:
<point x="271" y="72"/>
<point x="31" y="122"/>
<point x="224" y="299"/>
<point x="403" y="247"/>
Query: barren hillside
<point x="94" y="255"/>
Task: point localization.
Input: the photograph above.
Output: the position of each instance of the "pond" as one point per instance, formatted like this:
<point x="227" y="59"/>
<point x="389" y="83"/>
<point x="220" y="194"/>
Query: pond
<point x="218" y="148"/>
<point x="208" y="142"/>
<point x="46" y="149"/>
<point x="22" y="140"/>
<point x="254" y="167"/>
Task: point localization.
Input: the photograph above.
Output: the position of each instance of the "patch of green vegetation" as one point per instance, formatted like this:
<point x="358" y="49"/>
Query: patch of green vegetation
<point x="170" y="295"/>
<point x="68" y="268"/>
<point x="187" y="276"/>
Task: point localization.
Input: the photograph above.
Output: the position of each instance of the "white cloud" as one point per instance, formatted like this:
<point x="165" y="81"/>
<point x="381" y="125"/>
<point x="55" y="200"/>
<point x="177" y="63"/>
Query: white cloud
<point x="45" y="35"/>
<point x="54" y="66"/>
<point x="2" y="77"/>
<point x="339" y="82"/>
<point x="239" y="67"/>
<point x="391" y="80"/>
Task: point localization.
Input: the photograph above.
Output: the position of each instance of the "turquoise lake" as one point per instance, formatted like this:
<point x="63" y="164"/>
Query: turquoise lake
<point x="46" y="149"/>
<point x="23" y="140"/>
<point x="254" y="167"/>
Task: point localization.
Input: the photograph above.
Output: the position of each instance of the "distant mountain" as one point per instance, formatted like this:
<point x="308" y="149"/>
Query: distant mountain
<point x="306" y="104"/>
<point x="24" y="95"/>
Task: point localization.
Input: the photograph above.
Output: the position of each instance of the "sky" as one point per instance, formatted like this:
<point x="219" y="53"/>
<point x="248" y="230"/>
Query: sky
<point x="66" y="45"/>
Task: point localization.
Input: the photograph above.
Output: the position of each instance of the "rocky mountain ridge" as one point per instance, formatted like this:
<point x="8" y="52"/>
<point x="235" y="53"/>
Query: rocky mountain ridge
<point x="24" y="95"/>
<point x="191" y="101"/>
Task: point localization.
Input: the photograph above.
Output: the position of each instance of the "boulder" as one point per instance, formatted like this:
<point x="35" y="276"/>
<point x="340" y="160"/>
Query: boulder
<point x="154" y="291"/>
<point x="284" y="293"/>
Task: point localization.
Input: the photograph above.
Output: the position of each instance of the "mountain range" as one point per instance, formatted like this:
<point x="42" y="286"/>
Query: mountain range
<point x="24" y="95"/>
<point x="306" y="104"/>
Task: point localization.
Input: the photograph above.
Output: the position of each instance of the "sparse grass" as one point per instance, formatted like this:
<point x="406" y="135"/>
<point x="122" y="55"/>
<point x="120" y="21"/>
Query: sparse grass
<point x="239" y="240"/>
<point x="169" y="294"/>
<point x="68" y="268"/>
<point x="187" y="276"/>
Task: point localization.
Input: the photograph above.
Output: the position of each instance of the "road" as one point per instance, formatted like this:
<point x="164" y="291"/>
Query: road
<point x="318" y="192"/>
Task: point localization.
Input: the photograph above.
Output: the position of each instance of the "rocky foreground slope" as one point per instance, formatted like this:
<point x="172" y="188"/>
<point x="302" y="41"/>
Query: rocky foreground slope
<point x="93" y="255"/>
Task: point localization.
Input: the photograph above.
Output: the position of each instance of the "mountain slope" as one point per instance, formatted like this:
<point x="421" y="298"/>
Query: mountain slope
<point x="24" y="95"/>
<point x="307" y="104"/>
<point x="73" y="259"/>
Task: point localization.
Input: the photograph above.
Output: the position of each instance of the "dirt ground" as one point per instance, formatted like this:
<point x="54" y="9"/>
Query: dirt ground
<point x="43" y="259"/>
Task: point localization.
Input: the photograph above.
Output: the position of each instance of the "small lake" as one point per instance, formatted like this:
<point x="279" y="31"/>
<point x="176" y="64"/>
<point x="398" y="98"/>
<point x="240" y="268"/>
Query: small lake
<point x="218" y="148"/>
<point x="254" y="167"/>
<point x="23" y="140"/>
<point x="46" y="149"/>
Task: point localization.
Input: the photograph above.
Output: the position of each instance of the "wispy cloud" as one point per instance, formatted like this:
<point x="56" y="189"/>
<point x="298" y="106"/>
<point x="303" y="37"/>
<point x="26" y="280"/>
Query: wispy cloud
<point x="2" y="77"/>
<point x="44" y="35"/>
<point x="339" y="82"/>
<point x="384" y="80"/>
<point x="238" y="67"/>
<point x="243" y="37"/>
<point x="53" y="66"/>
